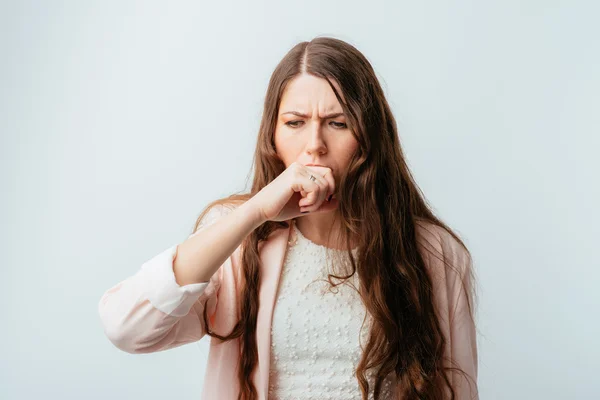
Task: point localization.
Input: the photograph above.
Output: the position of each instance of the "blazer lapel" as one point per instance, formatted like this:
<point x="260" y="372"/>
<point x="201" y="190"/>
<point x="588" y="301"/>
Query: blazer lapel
<point x="272" y="256"/>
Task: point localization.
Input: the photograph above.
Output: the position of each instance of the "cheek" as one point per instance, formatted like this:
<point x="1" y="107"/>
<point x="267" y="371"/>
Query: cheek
<point x="286" y="151"/>
<point x="348" y="148"/>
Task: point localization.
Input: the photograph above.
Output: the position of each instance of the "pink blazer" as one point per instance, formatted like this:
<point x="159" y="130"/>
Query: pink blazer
<point x="149" y="312"/>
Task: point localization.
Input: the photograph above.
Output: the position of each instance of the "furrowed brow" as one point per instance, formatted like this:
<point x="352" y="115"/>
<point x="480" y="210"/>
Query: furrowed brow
<point x="299" y="114"/>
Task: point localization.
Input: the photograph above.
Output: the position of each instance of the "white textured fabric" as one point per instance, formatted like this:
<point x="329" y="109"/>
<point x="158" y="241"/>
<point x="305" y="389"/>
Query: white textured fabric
<point x="315" y="333"/>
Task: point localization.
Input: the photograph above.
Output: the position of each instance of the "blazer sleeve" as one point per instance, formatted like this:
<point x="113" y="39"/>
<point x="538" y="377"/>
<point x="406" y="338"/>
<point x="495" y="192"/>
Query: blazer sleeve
<point x="461" y="310"/>
<point x="149" y="311"/>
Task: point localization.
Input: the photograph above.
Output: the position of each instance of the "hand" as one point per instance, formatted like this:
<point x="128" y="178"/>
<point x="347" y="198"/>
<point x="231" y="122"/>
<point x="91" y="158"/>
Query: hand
<point x="293" y="192"/>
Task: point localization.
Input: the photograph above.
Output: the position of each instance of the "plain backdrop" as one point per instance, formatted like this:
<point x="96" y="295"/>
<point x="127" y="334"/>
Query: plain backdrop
<point x="121" y="120"/>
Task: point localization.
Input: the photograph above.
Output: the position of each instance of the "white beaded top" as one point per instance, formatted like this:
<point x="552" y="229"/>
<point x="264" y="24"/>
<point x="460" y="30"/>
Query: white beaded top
<point x="315" y="344"/>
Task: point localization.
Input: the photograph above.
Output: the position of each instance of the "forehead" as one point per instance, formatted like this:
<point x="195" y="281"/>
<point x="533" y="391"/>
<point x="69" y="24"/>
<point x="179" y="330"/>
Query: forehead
<point x="307" y="92"/>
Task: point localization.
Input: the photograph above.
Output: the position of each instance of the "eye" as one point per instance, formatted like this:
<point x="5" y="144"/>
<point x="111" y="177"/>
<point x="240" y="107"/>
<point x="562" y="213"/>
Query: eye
<point x="339" y="125"/>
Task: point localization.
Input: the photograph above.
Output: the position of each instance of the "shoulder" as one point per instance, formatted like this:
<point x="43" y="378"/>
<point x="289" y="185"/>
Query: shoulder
<point x="444" y="254"/>
<point x="435" y="236"/>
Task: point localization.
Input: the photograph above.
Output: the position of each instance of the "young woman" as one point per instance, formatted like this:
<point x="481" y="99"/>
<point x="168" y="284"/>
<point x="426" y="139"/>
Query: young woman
<point x="332" y="278"/>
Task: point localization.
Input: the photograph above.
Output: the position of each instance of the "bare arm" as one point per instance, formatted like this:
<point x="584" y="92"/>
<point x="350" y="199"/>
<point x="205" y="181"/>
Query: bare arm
<point x="201" y="255"/>
<point x="162" y="304"/>
<point x="155" y="310"/>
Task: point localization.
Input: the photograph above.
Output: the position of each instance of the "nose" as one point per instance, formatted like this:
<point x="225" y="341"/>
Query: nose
<point x="316" y="144"/>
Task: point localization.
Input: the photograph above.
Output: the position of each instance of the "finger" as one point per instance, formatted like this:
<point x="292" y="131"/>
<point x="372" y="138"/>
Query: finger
<point x="312" y="189"/>
<point x="327" y="174"/>
<point x="307" y="187"/>
<point x="326" y="181"/>
<point x="317" y="196"/>
<point x="330" y="183"/>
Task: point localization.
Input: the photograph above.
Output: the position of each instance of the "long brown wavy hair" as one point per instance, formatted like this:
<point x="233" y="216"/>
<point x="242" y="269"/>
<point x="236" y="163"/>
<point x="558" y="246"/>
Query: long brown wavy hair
<point x="380" y="203"/>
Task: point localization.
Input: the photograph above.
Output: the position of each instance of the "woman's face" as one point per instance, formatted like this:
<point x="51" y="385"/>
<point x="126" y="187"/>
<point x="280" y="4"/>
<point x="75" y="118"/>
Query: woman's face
<point x="311" y="126"/>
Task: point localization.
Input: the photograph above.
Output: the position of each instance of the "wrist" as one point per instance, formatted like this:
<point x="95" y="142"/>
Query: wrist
<point x="253" y="213"/>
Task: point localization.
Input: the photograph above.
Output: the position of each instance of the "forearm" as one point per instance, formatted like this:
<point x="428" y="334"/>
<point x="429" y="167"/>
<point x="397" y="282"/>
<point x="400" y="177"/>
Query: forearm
<point x="201" y="255"/>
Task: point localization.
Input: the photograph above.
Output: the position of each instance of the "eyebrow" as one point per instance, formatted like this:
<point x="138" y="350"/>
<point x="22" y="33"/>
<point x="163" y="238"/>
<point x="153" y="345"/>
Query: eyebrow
<point x="299" y="114"/>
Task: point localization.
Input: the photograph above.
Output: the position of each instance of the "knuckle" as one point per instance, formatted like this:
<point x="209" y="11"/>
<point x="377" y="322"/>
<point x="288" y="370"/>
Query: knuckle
<point x="296" y="172"/>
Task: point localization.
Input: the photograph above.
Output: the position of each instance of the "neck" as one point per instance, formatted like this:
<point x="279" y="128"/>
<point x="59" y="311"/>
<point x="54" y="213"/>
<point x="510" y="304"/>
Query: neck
<point x="322" y="228"/>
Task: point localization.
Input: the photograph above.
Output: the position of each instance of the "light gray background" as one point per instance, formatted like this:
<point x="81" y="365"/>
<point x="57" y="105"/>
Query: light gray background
<point x="121" y="120"/>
